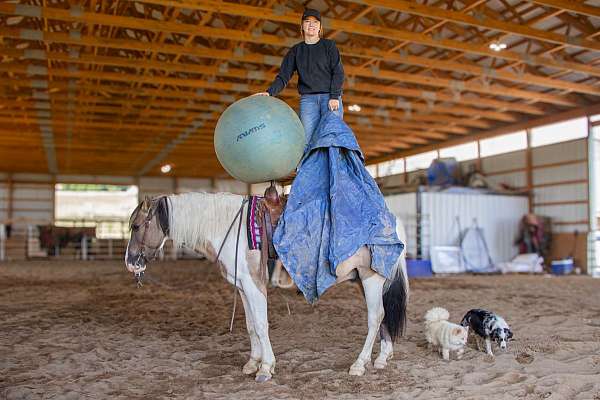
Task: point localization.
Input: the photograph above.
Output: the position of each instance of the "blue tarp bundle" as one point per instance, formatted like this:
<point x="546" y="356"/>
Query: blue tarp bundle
<point x="333" y="209"/>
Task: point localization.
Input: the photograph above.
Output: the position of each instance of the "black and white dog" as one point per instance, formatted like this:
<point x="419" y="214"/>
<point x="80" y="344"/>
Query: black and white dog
<point x="489" y="326"/>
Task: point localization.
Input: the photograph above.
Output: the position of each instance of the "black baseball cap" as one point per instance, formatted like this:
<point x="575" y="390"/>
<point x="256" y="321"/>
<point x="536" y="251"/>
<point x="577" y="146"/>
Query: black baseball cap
<point x="311" y="12"/>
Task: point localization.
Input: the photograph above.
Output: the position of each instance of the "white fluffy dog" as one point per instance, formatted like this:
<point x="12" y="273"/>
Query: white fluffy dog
<point x="445" y="335"/>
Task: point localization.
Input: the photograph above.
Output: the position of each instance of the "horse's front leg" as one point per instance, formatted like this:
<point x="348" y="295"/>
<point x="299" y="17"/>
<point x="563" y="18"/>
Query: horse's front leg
<point x="255" y="348"/>
<point x="373" y="286"/>
<point x="257" y="303"/>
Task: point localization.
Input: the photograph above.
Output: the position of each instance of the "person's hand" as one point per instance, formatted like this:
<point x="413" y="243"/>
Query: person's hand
<point x="261" y="94"/>
<point x="334" y="104"/>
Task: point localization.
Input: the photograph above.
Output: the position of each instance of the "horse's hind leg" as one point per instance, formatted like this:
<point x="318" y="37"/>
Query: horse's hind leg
<point x="255" y="348"/>
<point x="373" y="286"/>
<point x="387" y="348"/>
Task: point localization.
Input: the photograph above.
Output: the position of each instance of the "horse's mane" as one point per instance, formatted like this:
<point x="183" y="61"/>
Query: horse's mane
<point x="195" y="217"/>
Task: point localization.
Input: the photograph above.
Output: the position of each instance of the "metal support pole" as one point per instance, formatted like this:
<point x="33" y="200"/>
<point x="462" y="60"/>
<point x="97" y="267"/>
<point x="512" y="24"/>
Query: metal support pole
<point x="84" y="248"/>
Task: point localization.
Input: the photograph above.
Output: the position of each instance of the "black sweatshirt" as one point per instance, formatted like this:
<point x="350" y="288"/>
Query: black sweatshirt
<point x="319" y="69"/>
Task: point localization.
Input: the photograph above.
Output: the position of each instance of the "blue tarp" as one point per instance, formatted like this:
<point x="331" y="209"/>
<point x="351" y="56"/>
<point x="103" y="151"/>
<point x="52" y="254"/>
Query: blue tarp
<point x="333" y="209"/>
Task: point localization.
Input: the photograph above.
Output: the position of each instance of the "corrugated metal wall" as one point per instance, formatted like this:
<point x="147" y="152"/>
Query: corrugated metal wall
<point x="497" y="215"/>
<point x="404" y="206"/>
<point x="560" y="184"/>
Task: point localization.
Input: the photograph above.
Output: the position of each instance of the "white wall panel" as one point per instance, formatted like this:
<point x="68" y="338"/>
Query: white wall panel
<point x="404" y="206"/>
<point x="43" y="192"/>
<point x="32" y="203"/>
<point x="27" y="217"/>
<point x="3" y="201"/>
<point x="570" y="192"/>
<point x="231" y="186"/>
<point x="466" y="166"/>
<point x="32" y="177"/>
<point x="258" y="189"/>
<point x="412" y="176"/>
<point x="392" y="180"/>
<point x="515" y="179"/>
<point x="155" y="186"/>
<point x="152" y="182"/>
<point x="503" y="162"/>
<point x="563" y="213"/>
<point x="560" y="152"/>
<point x="560" y="173"/>
<point x="193" y="185"/>
<point x="497" y="215"/>
<point x="98" y="179"/>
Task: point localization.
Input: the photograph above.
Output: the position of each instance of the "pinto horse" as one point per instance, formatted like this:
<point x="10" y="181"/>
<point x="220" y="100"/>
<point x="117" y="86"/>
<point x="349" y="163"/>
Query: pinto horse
<point x="201" y="220"/>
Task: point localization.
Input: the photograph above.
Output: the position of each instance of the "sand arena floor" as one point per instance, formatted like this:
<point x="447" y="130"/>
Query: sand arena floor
<point x="72" y="330"/>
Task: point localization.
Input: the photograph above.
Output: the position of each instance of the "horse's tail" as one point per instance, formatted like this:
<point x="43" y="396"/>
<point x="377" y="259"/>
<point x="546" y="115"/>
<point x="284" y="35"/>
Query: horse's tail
<point x="396" y="292"/>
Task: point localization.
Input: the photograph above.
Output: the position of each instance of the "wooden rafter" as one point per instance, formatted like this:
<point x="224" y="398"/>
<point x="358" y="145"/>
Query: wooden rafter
<point x="129" y="85"/>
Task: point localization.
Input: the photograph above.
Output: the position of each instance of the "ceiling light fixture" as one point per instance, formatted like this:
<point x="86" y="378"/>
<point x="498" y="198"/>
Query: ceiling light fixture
<point x="497" y="46"/>
<point x="165" y="169"/>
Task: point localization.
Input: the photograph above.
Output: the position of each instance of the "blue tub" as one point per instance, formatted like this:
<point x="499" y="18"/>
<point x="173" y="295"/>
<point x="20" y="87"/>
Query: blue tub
<point x="562" y="267"/>
<point x="419" y="268"/>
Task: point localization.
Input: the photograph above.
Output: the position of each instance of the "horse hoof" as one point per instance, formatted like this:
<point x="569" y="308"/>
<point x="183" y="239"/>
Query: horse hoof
<point x="380" y="364"/>
<point x="357" y="370"/>
<point x="263" y="378"/>
<point x="250" y="367"/>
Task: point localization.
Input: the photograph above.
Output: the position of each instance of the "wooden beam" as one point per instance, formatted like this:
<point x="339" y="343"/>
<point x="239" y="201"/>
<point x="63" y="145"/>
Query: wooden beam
<point x="287" y="17"/>
<point x="379" y="74"/>
<point x="247" y="88"/>
<point x="125" y="108"/>
<point x="356" y="28"/>
<point x="571" y="6"/>
<point x="525" y="78"/>
<point x="480" y="20"/>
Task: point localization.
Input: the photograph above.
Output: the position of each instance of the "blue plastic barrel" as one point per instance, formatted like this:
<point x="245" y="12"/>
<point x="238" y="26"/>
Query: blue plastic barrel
<point x="419" y="268"/>
<point x="562" y="267"/>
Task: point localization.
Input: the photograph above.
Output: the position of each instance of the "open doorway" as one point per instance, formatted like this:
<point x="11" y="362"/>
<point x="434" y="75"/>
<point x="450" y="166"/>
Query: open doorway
<point x="105" y="207"/>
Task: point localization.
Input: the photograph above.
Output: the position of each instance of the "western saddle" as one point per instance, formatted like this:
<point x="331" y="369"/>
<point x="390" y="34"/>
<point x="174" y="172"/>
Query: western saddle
<point x="269" y="211"/>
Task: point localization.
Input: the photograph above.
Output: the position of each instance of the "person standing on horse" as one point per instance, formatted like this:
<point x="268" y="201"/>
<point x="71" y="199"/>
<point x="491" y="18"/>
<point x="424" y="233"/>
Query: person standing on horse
<point x="320" y="74"/>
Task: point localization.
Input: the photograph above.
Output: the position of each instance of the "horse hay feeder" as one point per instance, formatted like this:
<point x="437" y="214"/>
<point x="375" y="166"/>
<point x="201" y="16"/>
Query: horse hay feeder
<point x="259" y="139"/>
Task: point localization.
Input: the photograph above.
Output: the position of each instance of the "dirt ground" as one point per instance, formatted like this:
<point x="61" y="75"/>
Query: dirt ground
<point x="73" y="330"/>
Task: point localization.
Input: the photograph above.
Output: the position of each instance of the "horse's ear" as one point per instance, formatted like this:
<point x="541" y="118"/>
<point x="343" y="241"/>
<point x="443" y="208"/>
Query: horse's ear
<point x="146" y="203"/>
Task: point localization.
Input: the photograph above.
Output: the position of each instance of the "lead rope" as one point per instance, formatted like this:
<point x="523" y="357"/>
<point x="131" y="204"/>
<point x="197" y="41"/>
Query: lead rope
<point x="237" y="242"/>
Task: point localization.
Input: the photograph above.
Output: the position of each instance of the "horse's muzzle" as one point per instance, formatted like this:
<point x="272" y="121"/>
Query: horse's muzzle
<point x="135" y="269"/>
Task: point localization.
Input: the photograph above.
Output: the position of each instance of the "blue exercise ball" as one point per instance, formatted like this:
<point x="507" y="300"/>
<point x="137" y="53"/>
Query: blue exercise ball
<point x="259" y="139"/>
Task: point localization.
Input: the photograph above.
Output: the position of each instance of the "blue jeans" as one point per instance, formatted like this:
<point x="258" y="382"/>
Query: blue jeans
<point x="312" y="108"/>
